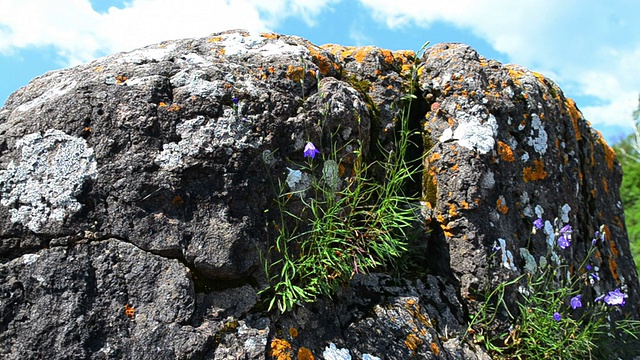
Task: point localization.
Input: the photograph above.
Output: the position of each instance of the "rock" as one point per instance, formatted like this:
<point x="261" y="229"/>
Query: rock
<point x="137" y="197"/>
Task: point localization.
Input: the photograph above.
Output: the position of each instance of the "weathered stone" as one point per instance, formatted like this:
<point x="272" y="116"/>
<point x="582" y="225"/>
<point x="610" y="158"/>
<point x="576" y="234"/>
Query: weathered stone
<point x="137" y="196"/>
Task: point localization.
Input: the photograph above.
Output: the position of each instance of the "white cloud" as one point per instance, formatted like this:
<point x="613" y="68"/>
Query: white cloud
<point x="588" y="49"/>
<point x="79" y="33"/>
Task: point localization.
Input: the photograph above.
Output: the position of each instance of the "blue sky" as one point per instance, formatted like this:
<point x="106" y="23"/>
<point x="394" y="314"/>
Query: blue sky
<point x="590" y="48"/>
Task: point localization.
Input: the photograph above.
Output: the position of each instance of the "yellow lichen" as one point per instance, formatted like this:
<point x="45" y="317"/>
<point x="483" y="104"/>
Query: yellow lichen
<point x="536" y="172"/>
<point x="293" y="332"/>
<point x="452" y="210"/>
<point x="505" y="152"/>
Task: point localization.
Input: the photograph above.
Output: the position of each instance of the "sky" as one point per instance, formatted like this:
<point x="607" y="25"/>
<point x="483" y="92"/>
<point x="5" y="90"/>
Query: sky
<point x="590" y="48"/>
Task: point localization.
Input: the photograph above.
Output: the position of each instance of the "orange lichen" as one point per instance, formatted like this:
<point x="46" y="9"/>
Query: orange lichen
<point x="464" y="204"/>
<point x="454" y="167"/>
<point x="413" y="342"/>
<point x="162" y="104"/>
<point x="175" y="107"/>
<point x="305" y="354"/>
<point x="120" y="79"/>
<point x="535" y="172"/>
<point x="177" y="201"/>
<point x="129" y="311"/>
<point x="293" y="332"/>
<point x="609" y="153"/>
<point x="435" y="349"/>
<point x="605" y="184"/>
<point x="320" y="60"/>
<point x="98" y="68"/>
<point x="505" y="152"/>
<point x="214" y="39"/>
<point x="613" y="267"/>
<point x="575" y="115"/>
<point x="270" y="35"/>
<point x="613" y="248"/>
<point x="446" y="230"/>
<point x="434" y="157"/>
<point x="388" y="56"/>
<point x="501" y="207"/>
<point x="295" y="73"/>
<point x="280" y="349"/>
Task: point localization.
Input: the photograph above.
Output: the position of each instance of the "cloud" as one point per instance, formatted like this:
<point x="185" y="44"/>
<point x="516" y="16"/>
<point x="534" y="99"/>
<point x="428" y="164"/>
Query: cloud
<point x="79" y="33"/>
<point x="588" y="49"/>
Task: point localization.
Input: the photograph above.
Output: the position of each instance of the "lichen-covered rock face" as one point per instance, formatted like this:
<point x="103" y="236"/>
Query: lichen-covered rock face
<point x="507" y="148"/>
<point x="137" y="196"/>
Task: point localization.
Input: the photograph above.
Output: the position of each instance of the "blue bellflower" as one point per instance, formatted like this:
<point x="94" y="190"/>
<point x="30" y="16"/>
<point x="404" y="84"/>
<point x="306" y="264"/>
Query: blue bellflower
<point x="310" y="150"/>
<point x="575" y="302"/>
<point x="615" y="297"/>
<point x="564" y="241"/>
<point x="557" y="316"/>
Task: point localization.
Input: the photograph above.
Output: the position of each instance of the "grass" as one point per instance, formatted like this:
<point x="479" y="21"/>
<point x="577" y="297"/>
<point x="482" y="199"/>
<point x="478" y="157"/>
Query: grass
<point x="548" y="322"/>
<point x="333" y="226"/>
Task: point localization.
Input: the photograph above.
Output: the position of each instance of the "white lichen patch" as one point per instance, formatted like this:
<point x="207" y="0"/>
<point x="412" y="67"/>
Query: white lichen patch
<point x="56" y="91"/>
<point x="298" y="181"/>
<point x="529" y="261"/>
<point x="42" y="187"/>
<point x="473" y="132"/>
<point x="201" y="136"/>
<point x="29" y="259"/>
<point x="507" y="256"/>
<point x="539" y="136"/>
<point x="551" y="241"/>
<point x="239" y="44"/>
<point x="148" y="54"/>
<point x="331" y="352"/>
<point x="564" y="213"/>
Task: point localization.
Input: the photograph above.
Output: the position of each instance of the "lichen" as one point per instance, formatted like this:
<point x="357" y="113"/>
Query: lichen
<point x="535" y="172"/>
<point x="42" y="187"/>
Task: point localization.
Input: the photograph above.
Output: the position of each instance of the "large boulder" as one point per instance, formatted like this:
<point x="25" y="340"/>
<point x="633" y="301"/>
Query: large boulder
<point x="137" y="197"/>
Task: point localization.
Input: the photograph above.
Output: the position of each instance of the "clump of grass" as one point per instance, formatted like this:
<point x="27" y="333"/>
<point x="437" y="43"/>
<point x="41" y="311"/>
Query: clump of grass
<point x="551" y="319"/>
<point x="347" y="223"/>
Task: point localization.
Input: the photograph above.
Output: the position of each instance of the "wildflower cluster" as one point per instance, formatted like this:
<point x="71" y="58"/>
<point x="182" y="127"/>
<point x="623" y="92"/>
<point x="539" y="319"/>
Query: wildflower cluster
<point x="555" y="318"/>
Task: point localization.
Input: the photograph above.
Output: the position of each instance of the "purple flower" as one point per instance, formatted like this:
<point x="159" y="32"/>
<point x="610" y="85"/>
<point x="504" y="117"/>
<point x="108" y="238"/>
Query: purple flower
<point x="310" y="150"/>
<point x="557" y="316"/>
<point x="575" y="302"/>
<point x="564" y="242"/>
<point x="615" y="297"/>
<point x="589" y="267"/>
<point x="595" y="276"/>
<point x="538" y="223"/>
<point x="235" y="100"/>
<point x="599" y="235"/>
<point x="599" y="298"/>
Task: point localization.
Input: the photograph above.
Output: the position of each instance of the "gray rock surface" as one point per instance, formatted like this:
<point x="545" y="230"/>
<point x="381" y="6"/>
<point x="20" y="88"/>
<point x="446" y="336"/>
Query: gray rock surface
<point x="137" y="196"/>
